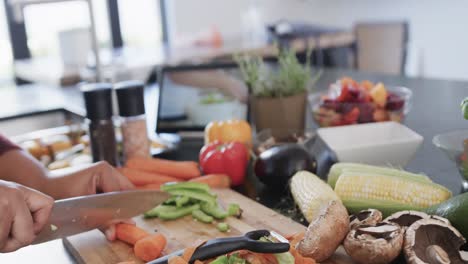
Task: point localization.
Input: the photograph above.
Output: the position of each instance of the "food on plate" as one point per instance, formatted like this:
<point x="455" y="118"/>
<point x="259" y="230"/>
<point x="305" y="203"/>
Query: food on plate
<point x="214" y="180"/>
<point x="35" y="148"/>
<point x="129" y="233"/>
<point x="140" y="177"/>
<point x="389" y="194"/>
<point x="222" y="227"/>
<point x="59" y="164"/>
<point x="349" y="102"/>
<point x="150" y="247"/>
<point x="57" y="143"/>
<point x="229" y="131"/>
<point x="184" y="170"/>
<point x="455" y="210"/>
<point x="338" y="168"/>
<point x="310" y="193"/>
<point x="365" y="217"/>
<point x="327" y="217"/>
<point x="432" y="241"/>
<point x="225" y="158"/>
<point x="192" y="198"/>
<point x="275" y="166"/>
<point x="374" y="244"/>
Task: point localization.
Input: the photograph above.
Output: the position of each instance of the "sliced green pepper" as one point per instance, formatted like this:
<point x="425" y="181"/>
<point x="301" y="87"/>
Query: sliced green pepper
<point x="182" y="200"/>
<point x="201" y="216"/>
<point x="186" y="185"/>
<point x="178" y="213"/>
<point x="171" y="200"/>
<point x="234" y="210"/>
<point x="220" y="260"/>
<point x="214" y="210"/>
<point x="195" y="194"/>
<point x="155" y="211"/>
<point x="222" y="227"/>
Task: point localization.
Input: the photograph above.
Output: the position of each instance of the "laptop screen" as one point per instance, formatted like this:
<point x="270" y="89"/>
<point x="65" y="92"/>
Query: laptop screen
<point x="191" y="98"/>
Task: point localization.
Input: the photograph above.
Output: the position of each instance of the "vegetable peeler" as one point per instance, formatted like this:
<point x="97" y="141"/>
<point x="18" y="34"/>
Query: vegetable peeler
<point x="220" y="246"/>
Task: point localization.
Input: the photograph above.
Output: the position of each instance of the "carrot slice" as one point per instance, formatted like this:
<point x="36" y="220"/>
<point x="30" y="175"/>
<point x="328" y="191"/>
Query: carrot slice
<point x="177" y="260"/>
<point x="151" y="186"/>
<point x="139" y="177"/>
<point x="179" y="169"/>
<point x="150" y="248"/>
<point x="129" y="233"/>
<point x="214" y="180"/>
<point x="188" y="253"/>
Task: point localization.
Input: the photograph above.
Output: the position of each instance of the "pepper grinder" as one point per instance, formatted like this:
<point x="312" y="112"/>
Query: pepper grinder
<point x="98" y="103"/>
<point x="130" y="96"/>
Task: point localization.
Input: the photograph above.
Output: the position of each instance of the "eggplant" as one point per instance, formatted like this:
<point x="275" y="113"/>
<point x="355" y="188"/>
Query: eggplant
<point x="276" y="165"/>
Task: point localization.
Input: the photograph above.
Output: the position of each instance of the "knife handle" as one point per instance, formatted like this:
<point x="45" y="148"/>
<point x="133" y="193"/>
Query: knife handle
<point x="220" y="246"/>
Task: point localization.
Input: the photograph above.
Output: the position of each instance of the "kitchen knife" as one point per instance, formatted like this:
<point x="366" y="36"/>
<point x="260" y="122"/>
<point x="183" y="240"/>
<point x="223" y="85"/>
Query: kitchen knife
<point x="80" y="214"/>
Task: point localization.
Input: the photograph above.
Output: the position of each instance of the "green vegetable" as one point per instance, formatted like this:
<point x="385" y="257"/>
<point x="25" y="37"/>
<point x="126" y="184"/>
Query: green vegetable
<point x="185" y="185"/>
<point x="223" y="227"/>
<point x="220" y="260"/>
<point x="182" y="200"/>
<point x="171" y="200"/>
<point x="214" y="210"/>
<point x="201" y="216"/>
<point x="195" y="194"/>
<point x="213" y="98"/>
<point x="455" y="210"/>
<point x="464" y="107"/>
<point x="235" y="259"/>
<point x="166" y="212"/>
<point x="285" y="258"/>
<point x="234" y="210"/>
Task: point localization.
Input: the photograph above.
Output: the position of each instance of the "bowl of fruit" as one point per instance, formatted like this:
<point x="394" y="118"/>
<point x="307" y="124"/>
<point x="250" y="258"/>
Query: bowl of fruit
<point x="349" y="102"/>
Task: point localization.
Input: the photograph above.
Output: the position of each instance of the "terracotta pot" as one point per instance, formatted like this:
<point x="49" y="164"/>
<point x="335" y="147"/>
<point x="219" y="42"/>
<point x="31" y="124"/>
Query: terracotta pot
<point x="281" y="115"/>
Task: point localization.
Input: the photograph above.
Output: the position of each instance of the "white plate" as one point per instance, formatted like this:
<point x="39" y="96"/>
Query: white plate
<point x="383" y="143"/>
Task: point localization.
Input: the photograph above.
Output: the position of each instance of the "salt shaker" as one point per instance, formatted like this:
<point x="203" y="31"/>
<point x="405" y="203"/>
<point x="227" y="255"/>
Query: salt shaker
<point x="130" y="96"/>
<point x="98" y="103"/>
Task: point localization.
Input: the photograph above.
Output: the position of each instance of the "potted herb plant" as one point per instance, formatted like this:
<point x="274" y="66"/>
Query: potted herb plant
<point x="278" y="94"/>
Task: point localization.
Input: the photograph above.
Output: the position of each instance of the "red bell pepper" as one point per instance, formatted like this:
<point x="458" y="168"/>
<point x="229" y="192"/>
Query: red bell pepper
<point x="230" y="159"/>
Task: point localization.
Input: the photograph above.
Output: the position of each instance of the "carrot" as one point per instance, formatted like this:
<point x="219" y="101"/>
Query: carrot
<point x="151" y="186"/>
<point x="139" y="177"/>
<point x="177" y="260"/>
<point x="129" y="233"/>
<point x="295" y="239"/>
<point x="150" y="248"/>
<point x="127" y="262"/>
<point x="198" y="262"/>
<point x="214" y="180"/>
<point x="188" y="252"/>
<point x="179" y="169"/>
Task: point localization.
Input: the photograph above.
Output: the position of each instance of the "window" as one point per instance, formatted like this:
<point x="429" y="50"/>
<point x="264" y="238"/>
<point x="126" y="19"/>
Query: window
<point x="140" y="23"/>
<point x="44" y="22"/>
<point x="6" y="69"/>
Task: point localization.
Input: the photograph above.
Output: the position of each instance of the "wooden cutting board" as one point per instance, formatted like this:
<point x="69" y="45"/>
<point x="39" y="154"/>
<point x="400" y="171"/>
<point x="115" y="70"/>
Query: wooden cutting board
<point x="92" y="247"/>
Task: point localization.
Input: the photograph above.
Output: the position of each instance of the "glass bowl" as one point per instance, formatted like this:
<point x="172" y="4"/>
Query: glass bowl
<point x="327" y="111"/>
<point x="455" y="145"/>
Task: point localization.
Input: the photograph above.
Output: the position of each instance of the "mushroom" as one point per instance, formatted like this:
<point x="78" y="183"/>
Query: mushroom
<point x="325" y="232"/>
<point x="406" y="218"/>
<point x="379" y="244"/>
<point x="433" y="241"/>
<point x="365" y="217"/>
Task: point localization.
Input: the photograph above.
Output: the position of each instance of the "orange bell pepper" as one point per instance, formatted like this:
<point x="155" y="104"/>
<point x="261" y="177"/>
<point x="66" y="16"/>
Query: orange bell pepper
<point x="229" y="131"/>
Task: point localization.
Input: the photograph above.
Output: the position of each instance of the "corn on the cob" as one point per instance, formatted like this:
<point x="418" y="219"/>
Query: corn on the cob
<point x="389" y="194"/>
<point x="337" y="169"/>
<point x="311" y="193"/>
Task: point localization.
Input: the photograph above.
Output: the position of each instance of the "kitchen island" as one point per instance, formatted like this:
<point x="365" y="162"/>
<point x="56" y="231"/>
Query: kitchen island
<point x="435" y="110"/>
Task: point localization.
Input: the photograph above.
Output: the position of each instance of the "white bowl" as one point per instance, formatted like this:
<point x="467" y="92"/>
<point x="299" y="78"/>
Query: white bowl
<point x="384" y="143"/>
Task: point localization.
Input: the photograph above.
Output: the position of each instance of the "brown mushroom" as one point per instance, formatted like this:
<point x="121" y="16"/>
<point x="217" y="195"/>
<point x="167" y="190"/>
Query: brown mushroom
<point x="379" y="244"/>
<point x="433" y="241"/>
<point x="406" y="218"/>
<point x="365" y="217"/>
<point x="325" y="232"/>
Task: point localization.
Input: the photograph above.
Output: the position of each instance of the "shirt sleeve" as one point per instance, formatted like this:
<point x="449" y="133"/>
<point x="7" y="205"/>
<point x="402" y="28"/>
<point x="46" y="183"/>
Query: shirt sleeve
<point x="6" y="145"/>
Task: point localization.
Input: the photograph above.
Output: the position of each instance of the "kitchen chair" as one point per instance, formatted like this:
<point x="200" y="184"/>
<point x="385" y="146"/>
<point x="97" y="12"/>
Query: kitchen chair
<point x="381" y="47"/>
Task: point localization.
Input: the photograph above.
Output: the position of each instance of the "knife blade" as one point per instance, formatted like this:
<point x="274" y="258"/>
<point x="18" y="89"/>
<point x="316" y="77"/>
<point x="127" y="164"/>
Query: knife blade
<point x="76" y="215"/>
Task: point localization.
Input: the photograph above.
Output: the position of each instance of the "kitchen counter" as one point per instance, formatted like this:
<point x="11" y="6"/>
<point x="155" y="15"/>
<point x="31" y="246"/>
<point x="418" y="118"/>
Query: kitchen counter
<point x="435" y="110"/>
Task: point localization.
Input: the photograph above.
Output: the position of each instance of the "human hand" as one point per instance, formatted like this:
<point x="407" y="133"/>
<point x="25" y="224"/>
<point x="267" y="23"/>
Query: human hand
<point x="24" y="212"/>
